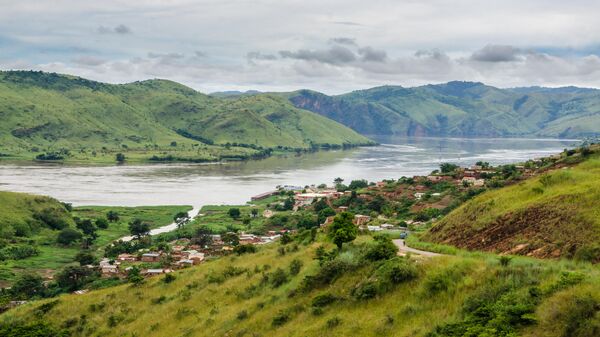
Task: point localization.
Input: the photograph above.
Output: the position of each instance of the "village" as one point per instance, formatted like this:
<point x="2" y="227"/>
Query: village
<point x="436" y="191"/>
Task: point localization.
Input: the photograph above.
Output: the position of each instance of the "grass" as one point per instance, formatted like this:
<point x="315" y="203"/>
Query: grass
<point x="552" y="215"/>
<point x="194" y="304"/>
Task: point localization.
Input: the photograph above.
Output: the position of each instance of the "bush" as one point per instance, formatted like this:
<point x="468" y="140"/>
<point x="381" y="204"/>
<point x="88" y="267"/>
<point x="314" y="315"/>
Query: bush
<point x="278" y="278"/>
<point x="333" y="322"/>
<point x="280" y="319"/>
<point x="68" y="235"/>
<point x="18" y="252"/>
<point x="295" y="267"/>
<point x="323" y="300"/>
<point x="54" y="218"/>
<point x="169" y="278"/>
<point x="590" y="253"/>
<point x="102" y="223"/>
<point x="328" y="272"/>
<point x="365" y="290"/>
<point x="244" y="249"/>
<point x="397" y="270"/>
<point x="242" y="315"/>
<point x="383" y="249"/>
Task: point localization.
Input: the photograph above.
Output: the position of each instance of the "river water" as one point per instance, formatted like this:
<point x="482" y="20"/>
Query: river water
<point x="236" y="182"/>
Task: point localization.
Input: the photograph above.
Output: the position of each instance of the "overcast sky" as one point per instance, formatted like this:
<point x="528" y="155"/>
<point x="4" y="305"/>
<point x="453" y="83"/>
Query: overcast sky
<point x="331" y="46"/>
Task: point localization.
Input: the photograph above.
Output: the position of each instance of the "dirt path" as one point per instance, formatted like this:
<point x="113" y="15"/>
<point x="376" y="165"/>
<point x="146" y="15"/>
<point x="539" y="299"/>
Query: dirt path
<point x="403" y="249"/>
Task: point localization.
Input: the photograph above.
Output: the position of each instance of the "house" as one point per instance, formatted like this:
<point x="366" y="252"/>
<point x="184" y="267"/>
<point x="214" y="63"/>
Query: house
<point x="308" y="198"/>
<point x="185" y="263"/>
<point x="268" y="213"/>
<point x="109" y="269"/>
<point x="328" y="221"/>
<point x="479" y="183"/>
<point x="151" y="257"/>
<point x="126" y="257"/>
<point x="380" y="184"/>
<point x="468" y="180"/>
<point x="360" y="220"/>
<point x="387" y="226"/>
<point x="343" y="208"/>
<point x="374" y="228"/>
<point x="419" y="195"/>
<point x="152" y="272"/>
<point x="434" y="178"/>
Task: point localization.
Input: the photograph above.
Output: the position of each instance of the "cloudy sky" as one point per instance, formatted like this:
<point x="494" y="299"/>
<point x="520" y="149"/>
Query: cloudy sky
<point x="332" y="46"/>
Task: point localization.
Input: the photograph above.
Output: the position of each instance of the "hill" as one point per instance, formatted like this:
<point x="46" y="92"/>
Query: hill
<point x="74" y="118"/>
<point x="555" y="214"/>
<point x="283" y="291"/>
<point x="465" y="109"/>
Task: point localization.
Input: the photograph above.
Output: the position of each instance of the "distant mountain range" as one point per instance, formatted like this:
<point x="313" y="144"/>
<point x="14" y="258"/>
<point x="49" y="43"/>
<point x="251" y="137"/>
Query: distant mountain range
<point x="466" y="109"/>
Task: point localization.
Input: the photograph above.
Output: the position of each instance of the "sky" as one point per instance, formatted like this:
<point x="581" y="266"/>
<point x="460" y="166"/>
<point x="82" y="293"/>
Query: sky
<point x="332" y="46"/>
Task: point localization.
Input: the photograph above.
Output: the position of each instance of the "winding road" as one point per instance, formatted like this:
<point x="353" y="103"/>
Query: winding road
<point x="403" y="249"/>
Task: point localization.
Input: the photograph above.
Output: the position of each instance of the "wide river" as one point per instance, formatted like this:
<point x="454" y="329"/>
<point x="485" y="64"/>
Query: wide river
<point x="236" y="182"/>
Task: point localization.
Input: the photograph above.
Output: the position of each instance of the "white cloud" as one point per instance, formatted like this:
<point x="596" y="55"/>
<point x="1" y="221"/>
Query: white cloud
<point x="332" y="46"/>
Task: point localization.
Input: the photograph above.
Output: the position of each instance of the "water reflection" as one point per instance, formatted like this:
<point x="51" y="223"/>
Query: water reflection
<point x="235" y="182"/>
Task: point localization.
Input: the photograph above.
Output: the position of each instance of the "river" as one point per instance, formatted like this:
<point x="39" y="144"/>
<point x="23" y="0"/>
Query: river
<point x="236" y="182"/>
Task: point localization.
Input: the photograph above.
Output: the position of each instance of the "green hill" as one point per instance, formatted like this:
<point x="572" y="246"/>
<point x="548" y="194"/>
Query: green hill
<point x="86" y="120"/>
<point x="461" y="109"/>
<point x="284" y="291"/>
<point x="552" y="215"/>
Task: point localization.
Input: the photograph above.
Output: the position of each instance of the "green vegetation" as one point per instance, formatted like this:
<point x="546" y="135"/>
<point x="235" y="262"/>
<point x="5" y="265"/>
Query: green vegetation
<point x="460" y="109"/>
<point x="339" y="294"/>
<point x="41" y="235"/>
<point x="53" y="117"/>
<point x="552" y="215"/>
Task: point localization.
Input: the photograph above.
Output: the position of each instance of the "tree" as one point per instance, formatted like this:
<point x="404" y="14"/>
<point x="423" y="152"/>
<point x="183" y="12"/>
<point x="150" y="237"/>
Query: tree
<point x="73" y="277"/>
<point x="202" y="237"/>
<point x="448" y="168"/>
<point x="338" y="181"/>
<point x="254" y="212"/>
<point x="342" y="229"/>
<point x="88" y="229"/>
<point x="112" y="216"/>
<point x="234" y="213"/>
<point x="27" y="286"/>
<point x="68" y="235"/>
<point x="138" y="228"/>
<point x="230" y="239"/>
<point x="356" y="184"/>
<point x="134" y="276"/>
<point x="383" y="249"/>
<point x="120" y="158"/>
<point x="102" y="223"/>
<point x="85" y="258"/>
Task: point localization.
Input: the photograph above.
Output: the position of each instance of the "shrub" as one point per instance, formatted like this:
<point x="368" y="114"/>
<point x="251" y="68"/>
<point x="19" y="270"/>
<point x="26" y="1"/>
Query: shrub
<point x="280" y="319"/>
<point x="589" y="253"/>
<point x="323" y="300"/>
<point x="504" y="260"/>
<point x="18" y="252"/>
<point x="383" y="249"/>
<point x="68" y="235"/>
<point x="169" y="278"/>
<point x="365" y="290"/>
<point x="328" y="272"/>
<point x="333" y="322"/>
<point x="102" y="223"/>
<point x="295" y="267"/>
<point x="397" y="270"/>
<point x="278" y="278"/>
<point x="244" y="249"/>
<point x="54" y="218"/>
<point x="242" y="315"/>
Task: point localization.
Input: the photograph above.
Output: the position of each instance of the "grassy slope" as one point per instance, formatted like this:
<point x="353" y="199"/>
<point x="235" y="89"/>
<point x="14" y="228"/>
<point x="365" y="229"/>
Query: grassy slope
<point x="553" y="215"/>
<point x="51" y="112"/>
<point x="192" y="306"/>
<point x="17" y="209"/>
